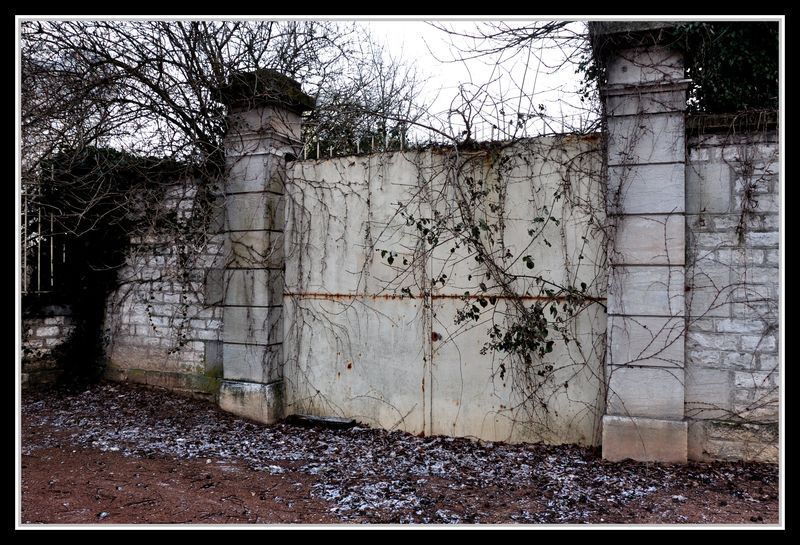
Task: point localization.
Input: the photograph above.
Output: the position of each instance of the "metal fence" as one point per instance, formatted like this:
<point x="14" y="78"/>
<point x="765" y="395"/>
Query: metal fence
<point x="44" y="252"/>
<point x="481" y="130"/>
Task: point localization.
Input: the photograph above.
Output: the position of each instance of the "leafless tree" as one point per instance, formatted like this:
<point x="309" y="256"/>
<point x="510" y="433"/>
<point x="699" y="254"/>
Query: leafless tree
<point x="369" y="107"/>
<point x="115" y="113"/>
<point x="519" y="54"/>
<point x="147" y="88"/>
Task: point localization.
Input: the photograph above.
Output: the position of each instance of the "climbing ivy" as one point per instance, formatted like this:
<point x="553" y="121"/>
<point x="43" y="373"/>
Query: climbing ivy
<point x="733" y="65"/>
<point x="526" y="309"/>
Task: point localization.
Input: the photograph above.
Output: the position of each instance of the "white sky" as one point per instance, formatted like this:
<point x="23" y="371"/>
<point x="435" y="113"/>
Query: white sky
<point x="420" y="44"/>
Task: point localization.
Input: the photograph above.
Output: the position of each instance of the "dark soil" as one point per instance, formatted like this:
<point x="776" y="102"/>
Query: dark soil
<point x="120" y="454"/>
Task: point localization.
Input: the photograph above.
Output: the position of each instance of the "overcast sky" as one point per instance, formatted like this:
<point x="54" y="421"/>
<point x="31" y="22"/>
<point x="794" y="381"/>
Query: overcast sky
<point x="429" y="48"/>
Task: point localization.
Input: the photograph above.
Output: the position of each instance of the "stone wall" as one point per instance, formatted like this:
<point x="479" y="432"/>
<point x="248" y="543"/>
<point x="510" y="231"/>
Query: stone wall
<point x="164" y="322"/>
<point x="337" y="301"/>
<point x="260" y="139"/>
<point x="42" y="333"/>
<point x="732" y="222"/>
<point x="645" y="103"/>
<point x="355" y="348"/>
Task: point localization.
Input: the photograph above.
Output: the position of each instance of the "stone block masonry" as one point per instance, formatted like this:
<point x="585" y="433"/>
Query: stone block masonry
<point x="42" y="334"/>
<point x="164" y="322"/>
<point x="263" y="131"/>
<point x="688" y="260"/>
<point x="693" y="282"/>
<point x="732" y="350"/>
<point x="645" y="353"/>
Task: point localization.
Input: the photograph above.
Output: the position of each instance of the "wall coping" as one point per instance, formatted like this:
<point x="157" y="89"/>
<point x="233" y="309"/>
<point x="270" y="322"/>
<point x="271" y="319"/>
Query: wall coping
<point x="249" y="90"/>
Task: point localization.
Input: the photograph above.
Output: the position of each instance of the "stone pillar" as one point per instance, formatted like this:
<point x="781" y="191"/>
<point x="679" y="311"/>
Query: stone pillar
<point x="645" y="98"/>
<point x="263" y="132"/>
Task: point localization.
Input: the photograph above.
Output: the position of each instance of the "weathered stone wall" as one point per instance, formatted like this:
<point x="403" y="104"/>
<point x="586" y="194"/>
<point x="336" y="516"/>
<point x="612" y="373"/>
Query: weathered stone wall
<point x="164" y="322"/>
<point x="732" y="224"/>
<point x="645" y="103"/>
<point x="257" y="145"/>
<point x="42" y="333"/>
<point x="682" y="234"/>
<point x="693" y="290"/>
<point x="355" y="348"/>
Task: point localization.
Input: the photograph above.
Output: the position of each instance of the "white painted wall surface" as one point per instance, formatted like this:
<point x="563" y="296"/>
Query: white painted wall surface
<point x="355" y="347"/>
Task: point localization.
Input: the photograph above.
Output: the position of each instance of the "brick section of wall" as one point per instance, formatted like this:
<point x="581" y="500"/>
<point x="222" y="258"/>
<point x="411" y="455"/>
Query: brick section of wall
<point x="41" y="335"/>
<point x="164" y="323"/>
<point x="732" y="228"/>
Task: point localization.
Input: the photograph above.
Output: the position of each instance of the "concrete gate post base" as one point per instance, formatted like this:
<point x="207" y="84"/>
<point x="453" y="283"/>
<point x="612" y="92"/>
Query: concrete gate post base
<point x="644" y="439"/>
<point x="259" y="402"/>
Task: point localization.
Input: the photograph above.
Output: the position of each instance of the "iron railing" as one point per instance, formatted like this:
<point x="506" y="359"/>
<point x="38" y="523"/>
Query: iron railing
<point x="44" y="251"/>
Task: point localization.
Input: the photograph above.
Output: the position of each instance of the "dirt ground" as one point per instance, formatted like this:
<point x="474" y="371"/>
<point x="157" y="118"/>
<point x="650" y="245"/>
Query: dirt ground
<point x="122" y="454"/>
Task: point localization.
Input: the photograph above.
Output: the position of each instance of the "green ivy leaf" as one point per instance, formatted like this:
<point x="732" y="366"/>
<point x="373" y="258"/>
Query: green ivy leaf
<point x="528" y="261"/>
